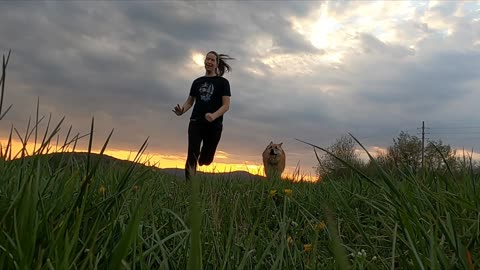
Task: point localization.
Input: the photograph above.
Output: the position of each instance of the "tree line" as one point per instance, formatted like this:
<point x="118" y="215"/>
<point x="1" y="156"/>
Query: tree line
<point x="406" y="154"/>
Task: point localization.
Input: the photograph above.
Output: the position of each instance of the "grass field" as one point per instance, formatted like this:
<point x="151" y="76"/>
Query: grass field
<point x="71" y="214"/>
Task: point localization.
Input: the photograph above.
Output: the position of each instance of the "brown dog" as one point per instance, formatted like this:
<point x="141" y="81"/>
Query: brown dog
<point x="274" y="160"/>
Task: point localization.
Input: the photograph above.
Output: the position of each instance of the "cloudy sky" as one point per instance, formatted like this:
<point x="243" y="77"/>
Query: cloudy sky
<point x="312" y="70"/>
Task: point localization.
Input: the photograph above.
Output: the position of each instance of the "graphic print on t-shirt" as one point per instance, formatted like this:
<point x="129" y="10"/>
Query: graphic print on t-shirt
<point x="206" y="91"/>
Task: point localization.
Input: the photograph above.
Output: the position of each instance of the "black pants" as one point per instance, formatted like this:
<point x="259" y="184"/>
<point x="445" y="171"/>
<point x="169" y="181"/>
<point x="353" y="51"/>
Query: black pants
<point x="201" y="131"/>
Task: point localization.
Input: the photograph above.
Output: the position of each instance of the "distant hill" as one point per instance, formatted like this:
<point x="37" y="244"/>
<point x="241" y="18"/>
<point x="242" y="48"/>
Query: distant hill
<point x="223" y="175"/>
<point x="54" y="159"/>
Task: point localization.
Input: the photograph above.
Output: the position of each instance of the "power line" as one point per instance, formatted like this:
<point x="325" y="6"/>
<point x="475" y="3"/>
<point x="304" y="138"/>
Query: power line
<point x="462" y="133"/>
<point x="428" y="133"/>
<point x="454" y="127"/>
<point x="471" y="135"/>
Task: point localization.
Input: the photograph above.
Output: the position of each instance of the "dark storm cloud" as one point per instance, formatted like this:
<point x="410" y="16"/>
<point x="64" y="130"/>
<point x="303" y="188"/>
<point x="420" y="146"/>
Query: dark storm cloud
<point x="61" y="60"/>
<point x="433" y="82"/>
<point x="185" y="21"/>
<point x="285" y="40"/>
<point x="372" y="45"/>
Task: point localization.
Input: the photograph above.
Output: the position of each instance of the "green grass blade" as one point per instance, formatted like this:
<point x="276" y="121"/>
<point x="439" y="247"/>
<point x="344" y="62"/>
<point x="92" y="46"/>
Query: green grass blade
<point x="128" y="236"/>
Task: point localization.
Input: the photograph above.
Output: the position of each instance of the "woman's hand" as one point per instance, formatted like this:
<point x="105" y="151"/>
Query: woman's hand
<point x="210" y="117"/>
<point x="178" y="110"/>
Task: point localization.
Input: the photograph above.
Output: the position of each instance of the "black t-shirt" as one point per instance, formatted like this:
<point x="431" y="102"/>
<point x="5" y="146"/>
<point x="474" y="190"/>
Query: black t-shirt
<point x="208" y="93"/>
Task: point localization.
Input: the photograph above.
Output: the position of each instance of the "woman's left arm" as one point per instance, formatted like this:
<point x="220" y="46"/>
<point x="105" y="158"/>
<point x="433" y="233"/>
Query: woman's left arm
<point x="223" y="109"/>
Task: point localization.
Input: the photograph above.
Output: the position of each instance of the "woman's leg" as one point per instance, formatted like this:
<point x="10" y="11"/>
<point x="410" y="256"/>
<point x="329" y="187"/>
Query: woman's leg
<point x="194" y="141"/>
<point x="210" y="142"/>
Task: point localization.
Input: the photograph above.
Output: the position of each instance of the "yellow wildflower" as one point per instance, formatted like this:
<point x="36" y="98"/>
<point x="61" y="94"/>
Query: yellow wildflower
<point x="289" y="240"/>
<point x="320" y="226"/>
<point x="307" y="247"/>
<point x="273" y="193"/>
<point x="102" y="190"/>
<point x="288" y="192"/>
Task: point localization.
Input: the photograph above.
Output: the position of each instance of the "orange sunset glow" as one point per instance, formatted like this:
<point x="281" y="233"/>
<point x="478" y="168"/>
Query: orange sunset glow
<point x="163" y="161"/>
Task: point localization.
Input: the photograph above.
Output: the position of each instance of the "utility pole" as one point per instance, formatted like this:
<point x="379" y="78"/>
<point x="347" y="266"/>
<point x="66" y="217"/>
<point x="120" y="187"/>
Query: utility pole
<point x="423" y="144"/>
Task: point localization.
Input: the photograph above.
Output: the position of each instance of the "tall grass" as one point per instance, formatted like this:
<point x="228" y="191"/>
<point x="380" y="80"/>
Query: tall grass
<point x="65" y="213"/>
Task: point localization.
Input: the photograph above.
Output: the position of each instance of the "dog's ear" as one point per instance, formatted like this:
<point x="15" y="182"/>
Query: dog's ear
<point x="280" y="144"/>
<point x="270" y="143"/>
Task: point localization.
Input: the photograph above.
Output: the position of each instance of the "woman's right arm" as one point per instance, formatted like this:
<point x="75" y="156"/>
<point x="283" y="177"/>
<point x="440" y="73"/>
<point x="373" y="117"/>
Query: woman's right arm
<point x="186" y="106"/>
